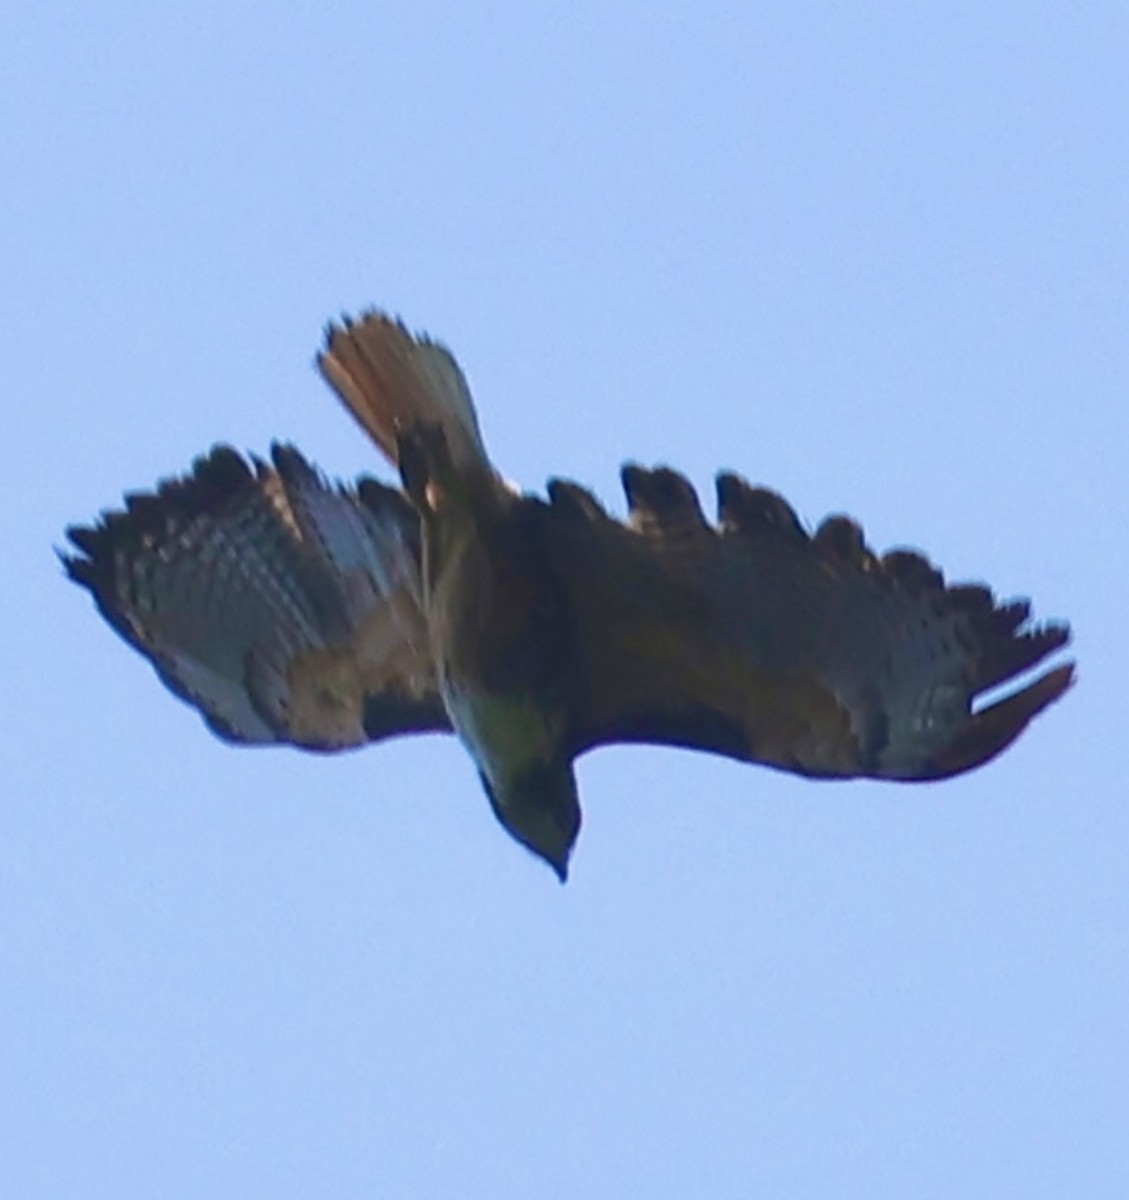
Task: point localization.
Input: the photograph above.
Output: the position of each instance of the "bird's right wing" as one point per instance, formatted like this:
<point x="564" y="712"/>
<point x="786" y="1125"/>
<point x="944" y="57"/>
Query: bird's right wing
<point x="759" y="641"/>
<point x="284" y="608"/>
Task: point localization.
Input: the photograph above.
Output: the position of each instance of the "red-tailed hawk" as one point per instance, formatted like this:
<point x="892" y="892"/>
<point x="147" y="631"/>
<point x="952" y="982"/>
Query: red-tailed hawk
<point x="291" y="610"/>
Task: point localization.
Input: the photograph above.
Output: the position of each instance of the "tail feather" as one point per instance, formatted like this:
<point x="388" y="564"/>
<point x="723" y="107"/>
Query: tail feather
<point x="391" y="382"/>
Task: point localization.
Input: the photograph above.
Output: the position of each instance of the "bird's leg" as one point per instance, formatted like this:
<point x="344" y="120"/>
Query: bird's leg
<point x="426" y="470"/>
<point x="415" y="468"/>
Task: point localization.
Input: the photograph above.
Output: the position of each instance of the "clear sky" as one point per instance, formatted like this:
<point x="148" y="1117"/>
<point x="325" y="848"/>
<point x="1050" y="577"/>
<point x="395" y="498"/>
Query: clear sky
<point x="875" y="255"/>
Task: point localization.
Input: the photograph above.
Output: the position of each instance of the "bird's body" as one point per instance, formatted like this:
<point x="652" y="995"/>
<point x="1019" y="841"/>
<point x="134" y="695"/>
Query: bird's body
<point x="500" y="640"/>
<point x="289" y="610"/>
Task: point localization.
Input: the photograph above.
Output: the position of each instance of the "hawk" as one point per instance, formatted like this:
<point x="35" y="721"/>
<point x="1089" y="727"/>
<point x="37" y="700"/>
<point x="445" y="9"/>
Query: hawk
<point x="288" y="609"/>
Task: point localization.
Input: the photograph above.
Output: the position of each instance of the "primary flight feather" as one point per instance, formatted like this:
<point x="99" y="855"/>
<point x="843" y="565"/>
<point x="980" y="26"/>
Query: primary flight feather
<point x="291" y="610"/>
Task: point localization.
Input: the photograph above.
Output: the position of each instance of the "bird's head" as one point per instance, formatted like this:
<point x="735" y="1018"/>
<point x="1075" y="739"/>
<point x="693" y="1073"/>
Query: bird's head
<point x="541" y="809"/>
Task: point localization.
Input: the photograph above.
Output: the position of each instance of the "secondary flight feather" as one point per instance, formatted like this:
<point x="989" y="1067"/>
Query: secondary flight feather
<point x="289" y="609"/>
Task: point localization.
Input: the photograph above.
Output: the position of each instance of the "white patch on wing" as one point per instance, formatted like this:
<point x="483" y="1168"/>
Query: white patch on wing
<point x="215" y="694"/>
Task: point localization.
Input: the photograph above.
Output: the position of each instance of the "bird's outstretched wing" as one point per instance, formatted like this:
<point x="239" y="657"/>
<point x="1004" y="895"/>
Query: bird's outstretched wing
<point x="285" y="609"/>
<point x="759" y="641"/>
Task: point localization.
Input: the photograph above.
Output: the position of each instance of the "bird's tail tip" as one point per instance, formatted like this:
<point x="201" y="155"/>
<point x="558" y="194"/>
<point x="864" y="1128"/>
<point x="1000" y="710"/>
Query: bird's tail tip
<point x="392" y="380"/>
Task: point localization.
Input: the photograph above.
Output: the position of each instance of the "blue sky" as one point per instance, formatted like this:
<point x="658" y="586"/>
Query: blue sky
<point x="873" y="255"/>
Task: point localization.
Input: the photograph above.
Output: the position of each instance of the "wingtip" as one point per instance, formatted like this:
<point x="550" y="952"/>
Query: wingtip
<point x="87" y="560"/>
<point x="993" y="729"/>
<point x="74" y="565"/>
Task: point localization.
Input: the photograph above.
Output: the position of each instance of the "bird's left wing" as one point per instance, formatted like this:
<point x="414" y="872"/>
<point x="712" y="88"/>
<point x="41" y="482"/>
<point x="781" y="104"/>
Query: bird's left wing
<point x="285" y="609"/>
<point x="759" y="641"/>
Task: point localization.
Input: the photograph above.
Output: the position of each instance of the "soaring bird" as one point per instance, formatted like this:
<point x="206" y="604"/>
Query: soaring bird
<point x="288" y="609"/>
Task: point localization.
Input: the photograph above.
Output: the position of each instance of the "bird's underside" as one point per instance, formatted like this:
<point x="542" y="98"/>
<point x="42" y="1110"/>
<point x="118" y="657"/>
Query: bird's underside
<point x="291" y="610"/>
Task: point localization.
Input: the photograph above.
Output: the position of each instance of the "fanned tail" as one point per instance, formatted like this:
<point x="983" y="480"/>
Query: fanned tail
<point x="393" y="382"/>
